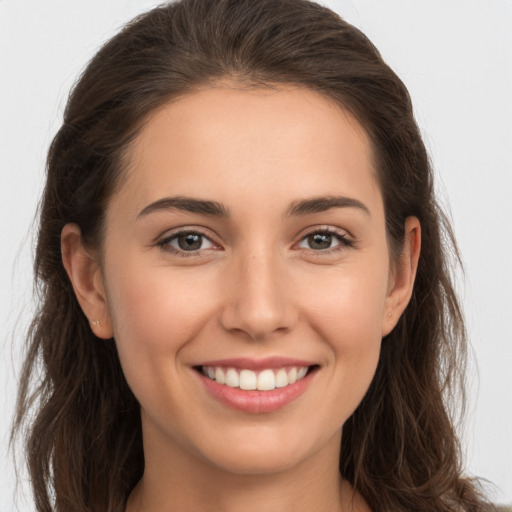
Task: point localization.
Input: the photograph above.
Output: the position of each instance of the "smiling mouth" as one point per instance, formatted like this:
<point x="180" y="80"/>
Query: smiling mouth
<point x="264" y="380"/>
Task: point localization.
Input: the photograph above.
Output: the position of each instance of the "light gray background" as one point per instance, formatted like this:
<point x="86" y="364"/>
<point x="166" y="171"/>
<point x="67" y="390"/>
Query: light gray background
<point x="455" y="56"/>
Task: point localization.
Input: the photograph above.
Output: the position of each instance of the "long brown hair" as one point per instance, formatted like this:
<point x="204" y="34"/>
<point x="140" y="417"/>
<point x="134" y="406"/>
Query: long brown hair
<point x="80" y="421"/>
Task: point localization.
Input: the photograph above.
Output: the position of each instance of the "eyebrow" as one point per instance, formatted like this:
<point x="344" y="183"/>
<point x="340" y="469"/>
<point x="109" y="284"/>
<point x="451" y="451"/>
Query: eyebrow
<point x="187" y="204"/>
<point x="322" y="204"/>
<point x="216" y="209"/>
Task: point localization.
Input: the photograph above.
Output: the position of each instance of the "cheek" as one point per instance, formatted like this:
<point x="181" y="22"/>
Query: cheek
<point x="348" y="306"/>
<point x="154" y="321"/>
<point x="352" y="328"/>
<point x="156" y="302"/>
<point x="154" y="313"/>
<point x="348" y="317"/>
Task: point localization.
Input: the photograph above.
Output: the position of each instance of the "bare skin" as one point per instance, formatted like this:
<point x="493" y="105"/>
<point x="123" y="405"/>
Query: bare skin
<point x="287" y="491"/>
<point x="291" y="261"/>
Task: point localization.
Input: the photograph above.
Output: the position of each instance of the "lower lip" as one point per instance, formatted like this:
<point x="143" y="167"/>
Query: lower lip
<point x="256" y="401"/>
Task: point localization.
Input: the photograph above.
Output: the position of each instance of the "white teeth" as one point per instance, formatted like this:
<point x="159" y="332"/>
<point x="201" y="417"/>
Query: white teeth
<point x="301" y="372"/>
<point x="281" y="378"/>
<point x="219" y="375"/>
<point x="266" y="380"/>
<point x="232" y="379"/>
<point x="248" y="379"/>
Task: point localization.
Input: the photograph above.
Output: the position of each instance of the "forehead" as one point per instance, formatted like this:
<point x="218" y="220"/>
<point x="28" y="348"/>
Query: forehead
<point x="222" y="141"/>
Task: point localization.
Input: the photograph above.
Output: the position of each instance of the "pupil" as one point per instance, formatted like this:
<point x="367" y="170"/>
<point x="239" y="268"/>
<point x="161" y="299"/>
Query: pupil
<point x="320" y="241"/>
<point x="190" y="242"/>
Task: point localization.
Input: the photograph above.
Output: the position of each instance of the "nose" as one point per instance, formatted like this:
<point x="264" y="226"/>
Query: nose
<point x="259" y="300"/>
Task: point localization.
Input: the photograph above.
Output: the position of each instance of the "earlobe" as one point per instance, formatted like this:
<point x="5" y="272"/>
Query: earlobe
<point x="84" y="272"/>
<point x="402" y="279"/>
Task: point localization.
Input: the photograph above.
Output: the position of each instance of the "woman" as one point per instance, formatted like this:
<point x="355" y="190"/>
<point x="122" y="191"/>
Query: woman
<point x="246" y="300"/>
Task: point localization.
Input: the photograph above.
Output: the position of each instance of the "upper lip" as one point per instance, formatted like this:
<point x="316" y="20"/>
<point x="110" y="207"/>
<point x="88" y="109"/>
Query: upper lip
<point x="257" y="364"/>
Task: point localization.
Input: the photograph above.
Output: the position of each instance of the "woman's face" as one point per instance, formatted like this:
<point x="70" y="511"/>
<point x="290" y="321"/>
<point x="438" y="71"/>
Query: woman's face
<point x="247" y="244"/>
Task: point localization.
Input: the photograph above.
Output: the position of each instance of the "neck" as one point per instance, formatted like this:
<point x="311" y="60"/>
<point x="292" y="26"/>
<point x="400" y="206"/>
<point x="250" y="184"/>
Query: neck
<point x="178" y="480"/>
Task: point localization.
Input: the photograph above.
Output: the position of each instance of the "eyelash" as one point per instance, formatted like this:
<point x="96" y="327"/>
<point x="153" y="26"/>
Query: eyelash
<point x="344" y="242"/>
<point x="165" y="244"/>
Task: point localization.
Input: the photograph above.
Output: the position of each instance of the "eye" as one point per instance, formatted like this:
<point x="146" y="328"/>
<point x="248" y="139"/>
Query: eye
<point x="324" y="240"/>
<point x="186" y="241"/>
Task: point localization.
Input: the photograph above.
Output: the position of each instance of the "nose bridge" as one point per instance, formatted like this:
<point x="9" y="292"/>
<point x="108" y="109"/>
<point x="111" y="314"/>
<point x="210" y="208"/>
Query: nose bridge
<point x="259" y="303"/>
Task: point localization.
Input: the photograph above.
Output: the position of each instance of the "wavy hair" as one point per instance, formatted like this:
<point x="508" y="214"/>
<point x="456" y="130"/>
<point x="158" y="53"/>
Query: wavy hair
<point x="78" y="417"/>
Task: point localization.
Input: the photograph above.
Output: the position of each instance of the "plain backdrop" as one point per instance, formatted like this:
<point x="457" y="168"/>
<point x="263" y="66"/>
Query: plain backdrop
<point x="455" y="56"/>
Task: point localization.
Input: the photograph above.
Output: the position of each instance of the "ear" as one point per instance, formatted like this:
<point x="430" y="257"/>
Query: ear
<point x="84" y="272"/>
<point x="401" y="281"/>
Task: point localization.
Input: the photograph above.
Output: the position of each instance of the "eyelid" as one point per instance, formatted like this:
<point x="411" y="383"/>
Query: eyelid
<point x="346" y="241"/>
<point x="164" y="240"/>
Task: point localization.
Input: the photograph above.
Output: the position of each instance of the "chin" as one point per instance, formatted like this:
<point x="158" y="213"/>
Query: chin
<point x="255" y="461"/>
<point x="266" y="451"/>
